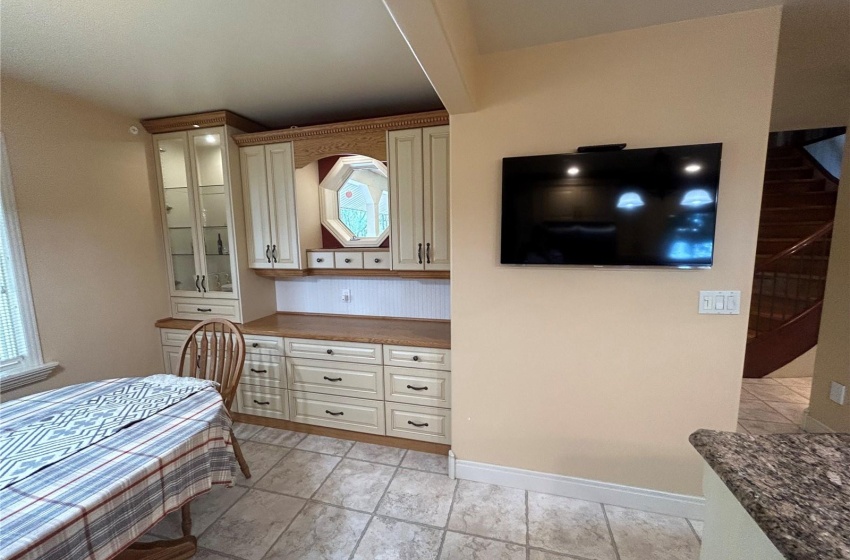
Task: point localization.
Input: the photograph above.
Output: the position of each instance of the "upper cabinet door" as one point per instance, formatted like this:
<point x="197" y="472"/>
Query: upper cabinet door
<point x="406" y="199"/>
<point x="436" y="196"/>
<point x="280" y="171"/>
<point x="255" y="187"/>
<point x="178" y="211"/>
<point x="214" y="213"/>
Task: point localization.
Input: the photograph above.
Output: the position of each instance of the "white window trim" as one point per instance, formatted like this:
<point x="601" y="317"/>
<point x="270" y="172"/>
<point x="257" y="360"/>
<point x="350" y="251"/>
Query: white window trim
<point x="329" y="205"/>
<point x="33" y="369"/>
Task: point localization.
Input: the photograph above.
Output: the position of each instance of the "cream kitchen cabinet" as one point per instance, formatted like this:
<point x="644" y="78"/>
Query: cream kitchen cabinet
<point x="419" y="198"/>
<point x="268" y="177"/>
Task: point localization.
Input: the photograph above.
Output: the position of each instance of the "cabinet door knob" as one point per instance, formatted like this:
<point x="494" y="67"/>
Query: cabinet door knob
<point x="320" y="259"/>
<point x="377" y="261"/>
<point x="415" y="358"/>
<point x="347" y="261"/>
<point x="334" y="413"/>
<point x="422" y="425"/>
<point x="330" y="351"/>
<point x="255" y="344"/>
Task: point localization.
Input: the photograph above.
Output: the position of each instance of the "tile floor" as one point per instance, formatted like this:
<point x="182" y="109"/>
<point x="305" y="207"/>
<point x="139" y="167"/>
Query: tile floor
<point x="313" y="497"/>
<point x="773" y="406"/>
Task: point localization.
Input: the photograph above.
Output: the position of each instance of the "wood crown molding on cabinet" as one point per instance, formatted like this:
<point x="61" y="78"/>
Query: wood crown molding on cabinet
<point x="373" y="273"/>
<point x="365" y="137"/>
<point x="202" y="120"/>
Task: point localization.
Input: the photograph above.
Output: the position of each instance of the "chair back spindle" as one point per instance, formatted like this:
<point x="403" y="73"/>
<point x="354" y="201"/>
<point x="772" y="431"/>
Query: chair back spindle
<point x="215" y="349"/>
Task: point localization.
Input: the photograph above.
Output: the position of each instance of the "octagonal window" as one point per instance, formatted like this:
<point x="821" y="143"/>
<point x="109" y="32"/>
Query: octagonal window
<point x="355" y="202"/>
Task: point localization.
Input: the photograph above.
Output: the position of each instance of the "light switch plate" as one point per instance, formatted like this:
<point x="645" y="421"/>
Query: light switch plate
<point x="837" y="392"/>
<point x="726" y="302"/>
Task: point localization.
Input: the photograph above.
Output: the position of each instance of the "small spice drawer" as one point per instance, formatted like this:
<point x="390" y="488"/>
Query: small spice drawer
<point x="354" y="352"/>
<point x="335" y="378"/>
<point x="264" y="372"/>
<point x="413" y="357"/>
<point x="421" y="387"/>
<point x="263" y="401"/>
<point x="348" y="259"/>
<point x="377" y="260"/>
<point x="424" y="423"/>
<point x="359" y="415"/>
<point x="320" y="259"/>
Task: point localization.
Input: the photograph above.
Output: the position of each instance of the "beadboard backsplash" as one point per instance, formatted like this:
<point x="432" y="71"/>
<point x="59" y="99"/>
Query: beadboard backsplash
<point x="383" y="297"/>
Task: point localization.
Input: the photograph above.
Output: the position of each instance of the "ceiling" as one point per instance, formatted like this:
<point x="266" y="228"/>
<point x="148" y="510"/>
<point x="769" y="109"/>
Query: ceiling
<point x="293" y="62"/>
<point x="280" y="63"/>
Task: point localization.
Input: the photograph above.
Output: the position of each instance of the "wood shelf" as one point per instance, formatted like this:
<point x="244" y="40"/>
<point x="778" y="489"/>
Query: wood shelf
<point x="413" y="274"/>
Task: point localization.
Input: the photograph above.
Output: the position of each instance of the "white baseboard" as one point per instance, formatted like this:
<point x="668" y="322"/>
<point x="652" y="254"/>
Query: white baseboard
<point x="813" y="426"/>
<point x="653" y="501"/>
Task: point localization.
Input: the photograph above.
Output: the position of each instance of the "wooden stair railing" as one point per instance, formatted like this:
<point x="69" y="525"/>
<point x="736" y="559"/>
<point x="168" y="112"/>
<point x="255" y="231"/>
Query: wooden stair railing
<point x="786" y="305"/>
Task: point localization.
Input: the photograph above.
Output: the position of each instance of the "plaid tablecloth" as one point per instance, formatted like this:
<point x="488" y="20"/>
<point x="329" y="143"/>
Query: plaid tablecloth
<point x="94" y="503"/>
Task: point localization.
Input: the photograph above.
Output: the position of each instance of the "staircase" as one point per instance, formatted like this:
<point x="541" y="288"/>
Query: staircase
<point x="795" y="230"/>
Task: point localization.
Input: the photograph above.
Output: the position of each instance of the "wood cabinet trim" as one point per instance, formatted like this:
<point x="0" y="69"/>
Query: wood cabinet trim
<point x="203" y="120"/>
<point x="368" y="272"/>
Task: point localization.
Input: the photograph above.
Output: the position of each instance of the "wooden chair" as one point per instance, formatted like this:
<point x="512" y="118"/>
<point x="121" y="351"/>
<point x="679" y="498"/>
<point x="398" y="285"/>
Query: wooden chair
<point x="215" y="350"/>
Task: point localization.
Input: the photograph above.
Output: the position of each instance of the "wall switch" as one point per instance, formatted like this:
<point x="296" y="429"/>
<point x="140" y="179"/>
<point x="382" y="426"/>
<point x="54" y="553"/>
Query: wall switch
<point x="720" y="303"/>
<point x="346" y="295"/>
<point x="837" y="392"/>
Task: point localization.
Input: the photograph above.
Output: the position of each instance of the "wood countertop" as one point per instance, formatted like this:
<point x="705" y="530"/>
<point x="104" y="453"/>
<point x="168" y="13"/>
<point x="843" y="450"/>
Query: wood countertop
<point x="427" y="333"/>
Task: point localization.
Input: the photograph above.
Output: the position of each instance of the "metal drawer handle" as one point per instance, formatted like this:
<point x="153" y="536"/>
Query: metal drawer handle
<point x="415" y="358"/>
<point x="347" y="261"/>
<point x="320" y="260"/>
<point x="428" y="253"/>
<point x="422" y="425"/>
<point x="204" y="283"/>
<point x="377" y="261"/>
<point x="198" y="286"/>
<point x="274" y="253"/>
<point x="259" y="370"/>
<point x="418" y="388"/>
<point x="419" y="253"/>
<point x="263" y="402"/>
<point x="334" y="413"/>
<point x="204" y="309"/>
<point x="330" y="351"/>
<point x="268" y="258"/>
<point x="333" y="379"/>
<point x="256" y="344"/>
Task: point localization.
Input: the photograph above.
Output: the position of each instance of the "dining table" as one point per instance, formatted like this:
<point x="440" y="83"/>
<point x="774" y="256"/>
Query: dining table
<point x="86" y="470"/>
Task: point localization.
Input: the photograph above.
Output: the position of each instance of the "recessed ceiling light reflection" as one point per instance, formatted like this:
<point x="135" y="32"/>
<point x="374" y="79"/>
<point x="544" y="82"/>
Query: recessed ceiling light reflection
<point x="696" y="197"/>
<point x="693" y="168"/>
<point x="573" y="171"/>
<point x="629" y="200"/>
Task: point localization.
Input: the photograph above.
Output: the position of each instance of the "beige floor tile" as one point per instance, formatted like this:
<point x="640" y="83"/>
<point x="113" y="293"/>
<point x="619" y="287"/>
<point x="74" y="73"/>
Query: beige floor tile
<point x="420" y="497"/>
<point x="758" y="381"/>
<point x="757" y="428"/>
<point x="759" y="410"/>
<point x="376" y="453"/>
<point x="544" y="555"/>
<point x="698" y="527"/>
<point x="204" y="554"/>
<point x="244" y="431"/>
<point x="252" y="525"/>
<point x="490" y="511"/>
<point x="261" y="457"/>
<point x="275" y="436"/>
<point x="327" y="445"/>
<point x="640" y="535"/>
<point x="776" y="393"/>
<point x="796" y="382"/>
<point x="465" y="547"/>
<point x="390" y="539"/>
<point x="568" y="526"/>
<point x="356" y="485"/>
<point x="430" y="462"/>
<point x="320" y="532"/>
<point x="741" y="429"/>
<point x="792" y="411"/>
<point x="205" y="510"/>
<point x="299" y="474"/>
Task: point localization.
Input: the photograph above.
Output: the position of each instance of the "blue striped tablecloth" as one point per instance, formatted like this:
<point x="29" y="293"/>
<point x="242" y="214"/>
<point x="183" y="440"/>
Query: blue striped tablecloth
<point x="94" y="503"/>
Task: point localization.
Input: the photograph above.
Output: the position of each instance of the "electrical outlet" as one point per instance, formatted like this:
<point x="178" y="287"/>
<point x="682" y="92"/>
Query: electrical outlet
<point x="346" y="295"/>
<point x="837" y="392"/>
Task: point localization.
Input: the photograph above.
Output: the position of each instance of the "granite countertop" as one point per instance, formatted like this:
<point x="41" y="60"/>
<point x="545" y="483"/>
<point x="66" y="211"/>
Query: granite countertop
<point x="426" y="333"/>
<point x="795" y="486"/>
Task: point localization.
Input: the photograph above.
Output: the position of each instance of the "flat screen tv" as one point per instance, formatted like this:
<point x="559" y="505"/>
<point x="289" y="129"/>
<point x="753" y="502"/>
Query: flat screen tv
<point x="644" y="207"/>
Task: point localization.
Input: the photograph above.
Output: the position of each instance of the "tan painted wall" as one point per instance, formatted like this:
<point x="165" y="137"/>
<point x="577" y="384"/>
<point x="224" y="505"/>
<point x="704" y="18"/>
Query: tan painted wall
<point x="833" y="358"/>
<point x="801" y="366"/>
<point x="603" y="374"/>
<point x="93" y="245"/>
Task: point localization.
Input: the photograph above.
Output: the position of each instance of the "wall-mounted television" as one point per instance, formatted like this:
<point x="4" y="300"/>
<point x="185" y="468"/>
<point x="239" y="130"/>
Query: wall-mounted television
<point x="643" y="207"/>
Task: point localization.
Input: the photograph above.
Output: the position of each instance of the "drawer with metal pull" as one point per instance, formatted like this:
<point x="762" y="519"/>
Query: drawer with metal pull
<point x="356" y="352"/>
<point x="320" y="259"/>
<point x="422" y="387"/>
<point x="264" y="372"/>
<point x="359" y="415"/>
<point x="256" y="344"/>
<point x="335" y="378"/>
<point x="263" y="401"/>
<point x="424" y="423"/>
<point x="205" y="308"/>
<point x="422" y="358"/>
<point x="348" y="259"/>
<point x="377" y="260"/>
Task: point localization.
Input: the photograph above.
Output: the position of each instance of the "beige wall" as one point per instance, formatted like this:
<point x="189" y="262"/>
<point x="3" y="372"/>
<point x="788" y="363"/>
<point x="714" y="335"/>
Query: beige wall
<point x="801" y="366"/>
<point x="833" y="358"/>
<point x="603" y="374"/>
<point x="93" y="247"/>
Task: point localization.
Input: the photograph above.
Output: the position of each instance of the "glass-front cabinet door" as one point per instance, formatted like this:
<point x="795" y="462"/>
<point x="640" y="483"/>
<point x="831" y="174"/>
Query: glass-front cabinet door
<point x="213" y="212"/>
<point x="172" y="156"/>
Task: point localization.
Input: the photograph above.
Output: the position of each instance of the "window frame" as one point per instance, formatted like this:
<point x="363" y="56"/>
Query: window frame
<point x="33" y="368"/>
<point x="330" y="186"/>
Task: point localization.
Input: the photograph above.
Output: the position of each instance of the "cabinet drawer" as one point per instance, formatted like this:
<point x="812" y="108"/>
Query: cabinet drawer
<point x="359" y="415"/>
<point x="348" y="259"/>
<point x="255" y="344"/>
<point x="320" y="259"/>
<point x="413" y="357"/>
<point x="263" y="401"/>
<point x="422" y="387"/>
<point x="419" y="422"/>
<point x="205" y="308"/>
<point x="355" y="352"/>
<point x="173" y="337"/>
<point x="264" y="372"/>
<point x="375" y="260"/>
<point x="335" y="378"/>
